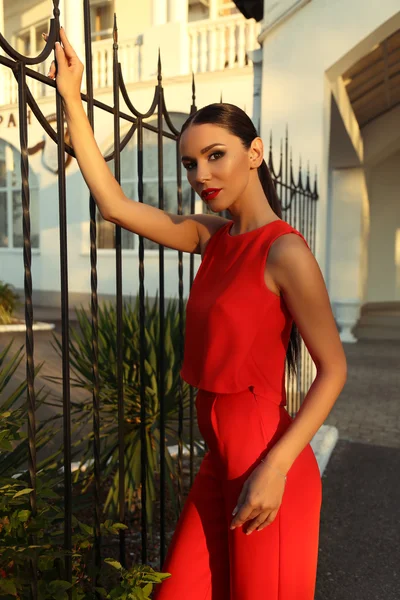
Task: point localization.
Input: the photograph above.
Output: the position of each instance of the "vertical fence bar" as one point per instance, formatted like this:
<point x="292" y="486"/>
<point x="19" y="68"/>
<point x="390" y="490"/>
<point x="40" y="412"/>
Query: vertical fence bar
<point x="161" y="387"/>
<point x="181" y="315"/>
<point x="143" y="455"/>
<point x="65" y="322"/>
<point x="29" y="340"/>
<point x="117" y="175"/>
<point x="193" y="109"/>
<point x="93" y="309"/>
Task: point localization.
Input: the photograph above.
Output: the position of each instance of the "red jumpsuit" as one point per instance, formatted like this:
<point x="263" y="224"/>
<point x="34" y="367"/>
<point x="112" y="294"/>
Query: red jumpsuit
<point x="237" y="333"/>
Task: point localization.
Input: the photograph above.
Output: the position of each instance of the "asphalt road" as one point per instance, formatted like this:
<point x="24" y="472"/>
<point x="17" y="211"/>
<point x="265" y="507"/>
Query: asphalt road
<point x="359" y="548"/>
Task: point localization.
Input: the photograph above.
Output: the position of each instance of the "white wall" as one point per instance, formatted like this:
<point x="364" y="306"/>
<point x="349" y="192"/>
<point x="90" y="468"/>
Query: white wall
<point x="297" y="56"/>
<point x="384" y="242"/>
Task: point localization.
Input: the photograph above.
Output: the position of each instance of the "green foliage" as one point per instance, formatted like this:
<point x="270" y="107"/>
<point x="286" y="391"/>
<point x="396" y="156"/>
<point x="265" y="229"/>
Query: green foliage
<point x="14" y="443"/>
<point x="31" y="541"/>
<point x="135" y="584"/>
<point x="81" y="361"/>
<point x="8" y="302"/>
<point x="34" y="542"/>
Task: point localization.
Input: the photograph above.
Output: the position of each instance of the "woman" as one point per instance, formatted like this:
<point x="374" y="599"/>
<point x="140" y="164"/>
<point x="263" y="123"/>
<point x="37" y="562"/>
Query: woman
<point x="250" y="525"/>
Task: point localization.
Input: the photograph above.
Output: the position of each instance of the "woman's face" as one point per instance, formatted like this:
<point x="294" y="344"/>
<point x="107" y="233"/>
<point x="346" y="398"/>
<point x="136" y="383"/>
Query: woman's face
<point x="214" y="158"/>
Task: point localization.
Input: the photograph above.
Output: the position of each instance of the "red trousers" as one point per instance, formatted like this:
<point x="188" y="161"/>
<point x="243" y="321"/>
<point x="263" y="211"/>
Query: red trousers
<point x="208" y="560"/>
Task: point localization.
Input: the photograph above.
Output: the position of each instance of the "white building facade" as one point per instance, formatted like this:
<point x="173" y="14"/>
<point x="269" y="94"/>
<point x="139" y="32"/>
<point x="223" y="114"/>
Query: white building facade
<point x="211" y="39"/>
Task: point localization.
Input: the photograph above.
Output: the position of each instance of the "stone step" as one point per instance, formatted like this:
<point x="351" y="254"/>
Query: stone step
<point x="380" y="320"/>
<point x="376" y="332"/>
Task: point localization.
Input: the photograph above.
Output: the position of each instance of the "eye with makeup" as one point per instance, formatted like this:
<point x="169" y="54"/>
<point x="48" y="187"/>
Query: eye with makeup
<point x="221" y="154"/>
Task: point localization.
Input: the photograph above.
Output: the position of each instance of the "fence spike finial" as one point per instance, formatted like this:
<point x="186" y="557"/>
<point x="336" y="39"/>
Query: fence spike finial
<point x="115" y="31"/>
<point x="193" y="89"/>
<point x="159" y="76"/>
<point x="315" y="192"/>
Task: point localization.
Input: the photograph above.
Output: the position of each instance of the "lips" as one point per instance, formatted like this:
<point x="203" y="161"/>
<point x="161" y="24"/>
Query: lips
<point x="210" y="193"/>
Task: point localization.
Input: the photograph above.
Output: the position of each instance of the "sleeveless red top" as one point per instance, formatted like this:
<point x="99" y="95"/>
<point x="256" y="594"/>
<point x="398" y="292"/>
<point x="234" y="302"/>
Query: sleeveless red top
<point x="237" y="330"/>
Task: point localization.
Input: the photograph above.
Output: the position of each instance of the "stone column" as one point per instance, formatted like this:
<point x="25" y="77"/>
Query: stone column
<point x="71" y="18"/>
<point x="257" y="57"/>
<point x="213" y="10"/>
<point x="171" y="37"/>
<point x="3" y="69"/>
<point x="159" y="12"/>
<point x="178" y="11"/>
<point x="2" y="21"/>
<point x="348" y="204"/>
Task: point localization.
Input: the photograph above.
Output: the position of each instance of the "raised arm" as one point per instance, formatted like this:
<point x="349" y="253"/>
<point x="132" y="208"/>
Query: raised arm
<point x="180" y="232"/>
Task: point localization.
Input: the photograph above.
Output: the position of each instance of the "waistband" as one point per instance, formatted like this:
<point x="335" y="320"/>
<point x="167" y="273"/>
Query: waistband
<point x="277" y="399"/>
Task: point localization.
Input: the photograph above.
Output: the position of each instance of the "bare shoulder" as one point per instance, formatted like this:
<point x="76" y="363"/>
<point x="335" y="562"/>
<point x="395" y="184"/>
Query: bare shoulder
<point x="287" y="252"/>
<point x="207" y="225"/>
<point x="284" y="245"/>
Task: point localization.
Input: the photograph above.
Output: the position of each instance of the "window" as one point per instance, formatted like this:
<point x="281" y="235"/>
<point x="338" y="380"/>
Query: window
<point x="102" y="20"/>
<point x="29" y="42"/>
<point x="226" y="8"/>
<point x="24" y="43"/>
<point x="11" y="232"/>
<point x="129" y="183"/>
<point x="206" y="9"/>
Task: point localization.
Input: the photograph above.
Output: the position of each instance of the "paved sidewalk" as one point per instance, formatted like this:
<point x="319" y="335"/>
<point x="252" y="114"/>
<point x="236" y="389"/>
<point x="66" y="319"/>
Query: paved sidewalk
<point x="368" y="408"/>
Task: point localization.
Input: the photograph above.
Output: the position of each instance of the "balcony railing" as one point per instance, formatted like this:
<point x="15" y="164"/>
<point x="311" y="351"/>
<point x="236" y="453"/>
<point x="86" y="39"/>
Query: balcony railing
<point x="221" y="43"/>
<point x="214" y="45"/>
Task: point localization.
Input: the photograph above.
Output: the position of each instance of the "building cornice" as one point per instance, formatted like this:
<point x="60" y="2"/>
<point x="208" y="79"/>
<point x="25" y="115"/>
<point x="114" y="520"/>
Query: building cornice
<point x="278" y="15"/>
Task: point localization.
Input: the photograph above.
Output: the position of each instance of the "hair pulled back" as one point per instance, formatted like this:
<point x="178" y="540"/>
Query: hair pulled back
<point x="238" y="123"/>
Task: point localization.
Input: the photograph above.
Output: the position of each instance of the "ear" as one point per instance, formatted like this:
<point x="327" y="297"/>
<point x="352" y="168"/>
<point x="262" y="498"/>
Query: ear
<point x="256" y="153"/>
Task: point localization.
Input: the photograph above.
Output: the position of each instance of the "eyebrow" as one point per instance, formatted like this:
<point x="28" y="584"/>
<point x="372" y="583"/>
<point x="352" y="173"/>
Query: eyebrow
<point x="204" y="150"/>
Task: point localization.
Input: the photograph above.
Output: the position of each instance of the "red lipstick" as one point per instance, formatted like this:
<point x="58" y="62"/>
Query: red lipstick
<point x="210" y="193"/>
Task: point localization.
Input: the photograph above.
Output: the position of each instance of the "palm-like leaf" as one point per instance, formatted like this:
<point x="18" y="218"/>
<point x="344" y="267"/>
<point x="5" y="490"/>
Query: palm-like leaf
<point x="14" y="442"/>
<point x="81" y="362"/>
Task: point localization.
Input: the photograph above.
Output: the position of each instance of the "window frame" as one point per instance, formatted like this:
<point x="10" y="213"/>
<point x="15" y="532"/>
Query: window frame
<point x="9" y="189"/>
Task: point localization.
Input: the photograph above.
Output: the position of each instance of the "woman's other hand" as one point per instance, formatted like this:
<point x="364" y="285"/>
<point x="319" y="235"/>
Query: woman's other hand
<point x="260" y="499"/>
<point x="69" y="72"/>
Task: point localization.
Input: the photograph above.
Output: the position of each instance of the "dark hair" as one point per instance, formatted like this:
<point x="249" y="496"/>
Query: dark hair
<point x="238" y="123"/>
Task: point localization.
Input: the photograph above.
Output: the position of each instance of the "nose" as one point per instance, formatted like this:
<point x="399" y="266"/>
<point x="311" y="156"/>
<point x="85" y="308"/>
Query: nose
<point x="202" y="174"/>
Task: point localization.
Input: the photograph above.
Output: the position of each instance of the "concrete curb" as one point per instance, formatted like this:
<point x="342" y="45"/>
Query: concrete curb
<point x="38" y="326"/>
<point x="323" y="444"/>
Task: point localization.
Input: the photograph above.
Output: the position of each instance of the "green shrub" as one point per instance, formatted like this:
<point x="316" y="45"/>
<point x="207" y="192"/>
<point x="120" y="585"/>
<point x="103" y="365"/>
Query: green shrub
<point x="8" y="302"/>
<point x="33" y="543"/>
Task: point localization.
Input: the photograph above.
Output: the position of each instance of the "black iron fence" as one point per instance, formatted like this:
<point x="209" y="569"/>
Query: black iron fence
<point x="298" y="201"/>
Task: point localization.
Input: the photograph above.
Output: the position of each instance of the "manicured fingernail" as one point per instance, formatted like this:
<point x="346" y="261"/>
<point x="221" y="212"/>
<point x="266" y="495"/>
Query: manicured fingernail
<point x="235" y="510"/>
<point x="248" y="532"/>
